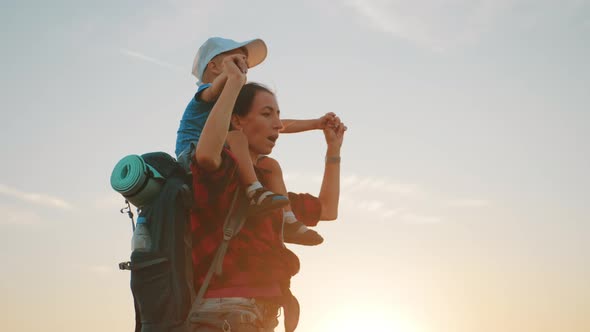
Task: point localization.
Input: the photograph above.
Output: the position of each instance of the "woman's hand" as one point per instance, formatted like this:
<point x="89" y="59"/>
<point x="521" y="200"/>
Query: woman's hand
<point x="335" y="134"/>
<point x="235" y="67"/>
<point x="327" y="120"/>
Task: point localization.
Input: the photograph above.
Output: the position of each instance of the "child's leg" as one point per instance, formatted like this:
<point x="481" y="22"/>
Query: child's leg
<point x="294" y="231"/>
<point x="238" y="144"/>
<point x="261" y="199"/>
<point x="184" y="158"/>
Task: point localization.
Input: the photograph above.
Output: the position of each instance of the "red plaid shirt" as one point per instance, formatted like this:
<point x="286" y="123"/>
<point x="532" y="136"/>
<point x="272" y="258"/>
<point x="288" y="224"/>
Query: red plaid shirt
<point x="256" y="261"/>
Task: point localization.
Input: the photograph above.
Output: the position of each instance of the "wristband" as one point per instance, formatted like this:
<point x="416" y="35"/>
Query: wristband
<point x="333" y="160"/>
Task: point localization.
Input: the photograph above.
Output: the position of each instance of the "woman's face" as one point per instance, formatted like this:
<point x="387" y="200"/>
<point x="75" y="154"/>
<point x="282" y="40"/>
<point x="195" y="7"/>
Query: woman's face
<point x="262" y="123"/>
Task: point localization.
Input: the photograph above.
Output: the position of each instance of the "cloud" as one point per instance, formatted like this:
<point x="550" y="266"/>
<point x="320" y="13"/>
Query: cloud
<point x="102" y="270"/>
<point x="437" y="25"/>
<point x="383" y="198"/>
<point x="14" y="216"/>
<point x="36" y="198"/>
<point x="357" y="183"/>
<point x="412" y="218"/>
<point x="389" y="213"/>
<point x="377" y="196"/>
<point x="385" y="209"/>
<point x="146" y="58"/>
<point x="372" y="205"/>
<point x="171" y="25"/>
<point x="109" y="201"/>
<point x="468" y="203"/>
<point x="441" y="25"/>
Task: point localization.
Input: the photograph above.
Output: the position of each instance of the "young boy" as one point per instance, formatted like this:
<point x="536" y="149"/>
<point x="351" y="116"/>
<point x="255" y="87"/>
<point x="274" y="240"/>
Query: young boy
<point x="208" y="68"/>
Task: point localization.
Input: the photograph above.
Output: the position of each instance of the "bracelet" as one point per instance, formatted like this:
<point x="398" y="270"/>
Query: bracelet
<point x="333" y="160"/>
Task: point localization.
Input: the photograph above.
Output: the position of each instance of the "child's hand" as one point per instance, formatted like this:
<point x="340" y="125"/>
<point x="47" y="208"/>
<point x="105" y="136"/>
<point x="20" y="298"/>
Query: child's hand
<point x="235" y="66"/>
<point x="327" y="121"/>
<point x="239" y="60"/>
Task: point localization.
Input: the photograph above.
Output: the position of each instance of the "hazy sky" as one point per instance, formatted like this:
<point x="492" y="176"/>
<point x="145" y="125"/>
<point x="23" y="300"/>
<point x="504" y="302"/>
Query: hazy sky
<point x="465" y="186"/>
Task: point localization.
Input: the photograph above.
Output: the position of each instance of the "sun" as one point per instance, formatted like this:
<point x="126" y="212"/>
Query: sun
<point x="365" y="321"/>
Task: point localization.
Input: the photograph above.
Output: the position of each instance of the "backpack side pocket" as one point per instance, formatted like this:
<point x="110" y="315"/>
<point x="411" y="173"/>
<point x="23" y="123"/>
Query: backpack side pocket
<point x="151" y="285"/>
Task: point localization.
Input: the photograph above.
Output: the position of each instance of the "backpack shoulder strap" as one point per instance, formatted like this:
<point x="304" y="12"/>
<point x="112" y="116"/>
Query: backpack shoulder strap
<point x="234" y="221"/>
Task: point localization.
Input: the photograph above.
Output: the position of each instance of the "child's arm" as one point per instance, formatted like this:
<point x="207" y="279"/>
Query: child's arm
<point x="296" y="126"/>
<point x="211" y="94"/>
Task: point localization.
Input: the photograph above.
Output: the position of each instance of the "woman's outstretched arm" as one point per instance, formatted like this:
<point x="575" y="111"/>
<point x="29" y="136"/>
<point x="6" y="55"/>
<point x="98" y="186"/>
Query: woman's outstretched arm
<point x="330" y="190"/>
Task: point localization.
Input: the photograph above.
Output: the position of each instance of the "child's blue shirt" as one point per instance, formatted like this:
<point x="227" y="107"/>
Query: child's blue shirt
<point x="193" y="120"/>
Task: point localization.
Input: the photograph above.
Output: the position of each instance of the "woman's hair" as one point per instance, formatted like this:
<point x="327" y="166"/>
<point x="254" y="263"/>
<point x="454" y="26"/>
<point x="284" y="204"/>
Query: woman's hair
<point x="246" y="96"/>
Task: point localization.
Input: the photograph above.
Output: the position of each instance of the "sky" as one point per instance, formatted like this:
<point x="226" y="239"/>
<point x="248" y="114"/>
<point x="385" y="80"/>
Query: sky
<point x="465" y="188"/>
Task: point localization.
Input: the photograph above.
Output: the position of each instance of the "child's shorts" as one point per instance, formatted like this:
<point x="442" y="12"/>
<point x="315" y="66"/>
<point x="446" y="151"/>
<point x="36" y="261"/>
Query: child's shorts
<point x="186" y="156"/>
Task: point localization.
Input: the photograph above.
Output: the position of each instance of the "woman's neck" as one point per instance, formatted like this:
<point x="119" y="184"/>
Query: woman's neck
<point x="254" y="157"/>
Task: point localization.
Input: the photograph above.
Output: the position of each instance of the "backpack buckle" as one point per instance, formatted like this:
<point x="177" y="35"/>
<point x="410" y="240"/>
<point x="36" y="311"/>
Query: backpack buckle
<point x="125" y="266"/>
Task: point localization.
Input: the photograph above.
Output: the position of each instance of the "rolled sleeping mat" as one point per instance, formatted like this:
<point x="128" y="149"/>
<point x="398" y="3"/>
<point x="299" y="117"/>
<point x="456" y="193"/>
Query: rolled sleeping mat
<point x="137" y="181"/>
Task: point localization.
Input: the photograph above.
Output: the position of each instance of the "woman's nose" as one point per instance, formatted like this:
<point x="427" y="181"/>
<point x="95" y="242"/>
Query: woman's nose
<point x="277" y="123"/>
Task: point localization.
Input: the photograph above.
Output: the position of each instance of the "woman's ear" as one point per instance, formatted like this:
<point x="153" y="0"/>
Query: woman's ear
<point x="236" y="124"/>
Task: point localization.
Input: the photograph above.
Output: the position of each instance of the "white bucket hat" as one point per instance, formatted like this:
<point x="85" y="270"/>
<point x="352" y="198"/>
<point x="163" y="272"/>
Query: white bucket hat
<point x="216" y="45"/>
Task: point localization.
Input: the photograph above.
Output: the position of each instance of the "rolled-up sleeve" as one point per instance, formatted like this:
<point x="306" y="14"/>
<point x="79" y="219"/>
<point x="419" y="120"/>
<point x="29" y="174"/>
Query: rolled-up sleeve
<point x="209" y="187"/>
<point x="226" y="170"/>
<point x="307" y="208"/>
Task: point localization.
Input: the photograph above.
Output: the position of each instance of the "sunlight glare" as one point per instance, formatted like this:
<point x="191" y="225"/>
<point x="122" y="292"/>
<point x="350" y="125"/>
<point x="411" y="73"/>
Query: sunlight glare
<point x="358" y="322"/>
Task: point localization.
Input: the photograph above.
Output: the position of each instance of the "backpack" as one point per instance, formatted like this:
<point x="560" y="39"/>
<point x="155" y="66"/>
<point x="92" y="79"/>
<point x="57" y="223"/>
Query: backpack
<point x="161" y="279"/>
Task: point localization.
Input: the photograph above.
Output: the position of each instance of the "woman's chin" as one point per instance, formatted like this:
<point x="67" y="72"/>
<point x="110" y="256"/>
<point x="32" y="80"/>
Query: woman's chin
<point x="264" y="150"/>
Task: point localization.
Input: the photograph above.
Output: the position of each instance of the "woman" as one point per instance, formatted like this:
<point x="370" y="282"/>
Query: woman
<point x="257" y="266"/>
